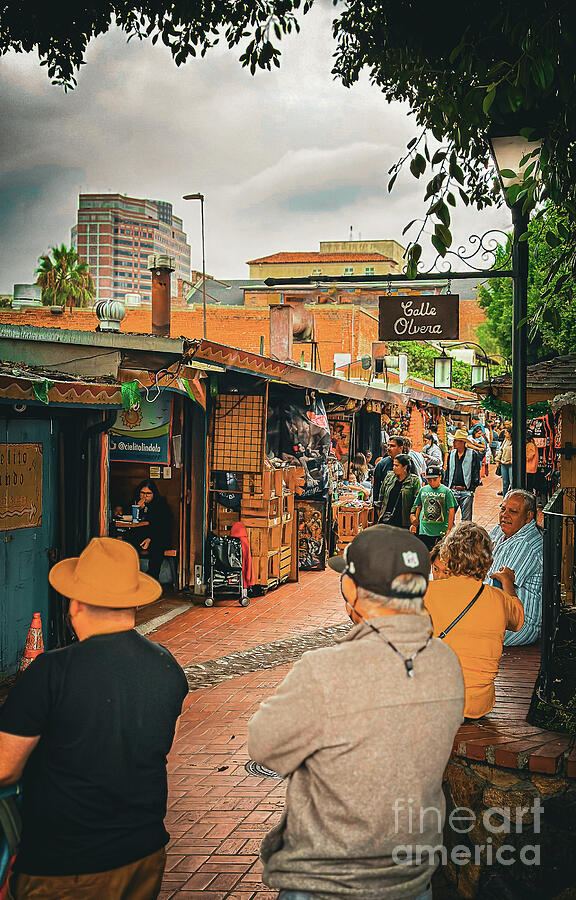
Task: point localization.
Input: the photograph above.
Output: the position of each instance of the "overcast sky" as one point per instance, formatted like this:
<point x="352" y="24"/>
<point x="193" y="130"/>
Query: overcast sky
<point x="285" y="158"/>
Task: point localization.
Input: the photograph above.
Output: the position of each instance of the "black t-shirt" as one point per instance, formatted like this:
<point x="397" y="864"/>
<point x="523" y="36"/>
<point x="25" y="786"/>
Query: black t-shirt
<point x="458" y="476"/>
<point x="95" y="787"/>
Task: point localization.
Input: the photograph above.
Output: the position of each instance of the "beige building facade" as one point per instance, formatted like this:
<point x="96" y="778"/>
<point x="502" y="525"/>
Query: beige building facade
<point x="335" y="258"/>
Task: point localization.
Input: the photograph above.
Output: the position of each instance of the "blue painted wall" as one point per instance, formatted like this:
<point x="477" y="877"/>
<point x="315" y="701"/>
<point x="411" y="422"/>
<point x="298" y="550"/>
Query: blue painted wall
<point x="24" y="552"/>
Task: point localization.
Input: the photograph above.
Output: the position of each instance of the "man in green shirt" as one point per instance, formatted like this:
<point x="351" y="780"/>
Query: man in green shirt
<point x="434" y="509"/>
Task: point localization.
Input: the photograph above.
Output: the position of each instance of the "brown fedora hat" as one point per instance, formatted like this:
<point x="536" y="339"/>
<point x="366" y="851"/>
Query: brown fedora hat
<point x="107" y="573"/>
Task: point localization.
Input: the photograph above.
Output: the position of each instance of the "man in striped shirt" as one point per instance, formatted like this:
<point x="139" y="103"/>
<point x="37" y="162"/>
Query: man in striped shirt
<point x="517" y="548"/>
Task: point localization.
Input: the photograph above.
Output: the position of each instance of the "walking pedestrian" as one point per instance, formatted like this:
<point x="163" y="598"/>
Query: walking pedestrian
<point x="531" y="462"/>
<point x="393" y="448"/>
<point x="88" y="728"/>
<point x="434" y="509"/>
<point x="362" y="732"/>
<point x="504" y="461"/>
<point x="398" y="492"/>
<point x="462" y="474"/>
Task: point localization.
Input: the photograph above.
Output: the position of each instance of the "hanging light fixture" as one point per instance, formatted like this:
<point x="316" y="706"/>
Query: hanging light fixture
<point x="508" y="151"/>
<point x="443" y="371"/>
<point x="478" y="375"/>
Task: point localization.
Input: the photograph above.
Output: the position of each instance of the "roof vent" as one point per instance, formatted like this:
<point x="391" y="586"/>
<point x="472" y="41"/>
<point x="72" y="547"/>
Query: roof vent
<point x="110" y="314"/>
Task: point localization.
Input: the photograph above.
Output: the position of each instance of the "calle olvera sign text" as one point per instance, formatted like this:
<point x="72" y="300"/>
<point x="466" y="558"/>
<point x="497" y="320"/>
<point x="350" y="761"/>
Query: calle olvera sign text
<point x="418" y="317"/>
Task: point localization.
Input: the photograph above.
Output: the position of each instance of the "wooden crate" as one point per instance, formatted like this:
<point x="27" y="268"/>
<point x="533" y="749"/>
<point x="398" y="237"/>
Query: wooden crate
<point x="224" y="519"/>
<point x="263" y="509"/>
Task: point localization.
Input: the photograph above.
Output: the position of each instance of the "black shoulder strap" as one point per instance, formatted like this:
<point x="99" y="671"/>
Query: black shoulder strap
<point x="443" y="634"/>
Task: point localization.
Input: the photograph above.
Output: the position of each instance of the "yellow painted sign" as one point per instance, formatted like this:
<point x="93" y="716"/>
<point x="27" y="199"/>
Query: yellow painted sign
<point x="20" y="486"/>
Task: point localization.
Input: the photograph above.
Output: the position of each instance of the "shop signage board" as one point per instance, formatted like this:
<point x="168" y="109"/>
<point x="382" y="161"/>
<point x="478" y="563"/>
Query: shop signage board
<point x="143" y="435"/>
<point x="418" y="317"/>
<point x="20" y="486"/>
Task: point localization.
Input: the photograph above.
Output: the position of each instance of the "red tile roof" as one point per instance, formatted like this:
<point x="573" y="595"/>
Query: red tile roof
<point x="284" y="257"/>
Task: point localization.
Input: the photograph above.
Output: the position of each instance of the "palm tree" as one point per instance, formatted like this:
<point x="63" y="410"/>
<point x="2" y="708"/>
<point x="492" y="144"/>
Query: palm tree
<point x="64" y="279"/>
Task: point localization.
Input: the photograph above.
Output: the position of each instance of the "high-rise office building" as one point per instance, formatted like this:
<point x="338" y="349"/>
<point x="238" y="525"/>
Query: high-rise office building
<point x="115" y="235"/>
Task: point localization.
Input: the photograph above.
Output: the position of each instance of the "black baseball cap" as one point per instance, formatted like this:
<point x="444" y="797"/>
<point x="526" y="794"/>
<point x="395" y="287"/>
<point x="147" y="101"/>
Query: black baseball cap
<point x="379" y="554"/>
<point x="434" y="471"/>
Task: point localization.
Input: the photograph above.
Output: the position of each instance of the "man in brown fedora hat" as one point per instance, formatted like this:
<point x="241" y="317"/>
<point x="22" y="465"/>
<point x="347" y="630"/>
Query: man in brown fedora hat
<point x="462" y="473"/>
<point x="88" y="728"/>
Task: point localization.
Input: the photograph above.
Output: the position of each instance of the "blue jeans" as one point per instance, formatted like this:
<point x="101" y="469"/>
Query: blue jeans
<point x="464" y="499"/>
<point x="304" y="895"/>
<point x="506" y="472"/>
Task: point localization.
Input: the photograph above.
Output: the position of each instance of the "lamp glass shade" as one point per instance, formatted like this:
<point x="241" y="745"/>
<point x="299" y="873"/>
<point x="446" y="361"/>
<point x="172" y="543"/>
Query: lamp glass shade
<point x="443" y="372"/>
<point x="478" y="375"/>
<point x="508" y="153"/>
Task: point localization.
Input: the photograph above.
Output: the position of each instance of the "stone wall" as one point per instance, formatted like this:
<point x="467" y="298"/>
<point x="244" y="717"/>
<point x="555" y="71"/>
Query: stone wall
<point x="520" y="842"/>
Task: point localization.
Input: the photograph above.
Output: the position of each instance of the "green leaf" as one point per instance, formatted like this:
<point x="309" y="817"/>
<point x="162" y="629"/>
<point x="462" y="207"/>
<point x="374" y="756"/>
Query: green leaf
<point x="444" y="234"/>
<point x="418" y="165"/>
<point x="552" y="239"/>
<point x="488" y="101"/>
<point x="415" y="252"/>
<point x="451" y="198"/>
<point x="464" y="197"/>
<point x="455" y="170"/>
<point x="439" y="245"/>
<point x="392" y="181"/>
<point x="507" y="173"/>
<point x="408" y="226"/>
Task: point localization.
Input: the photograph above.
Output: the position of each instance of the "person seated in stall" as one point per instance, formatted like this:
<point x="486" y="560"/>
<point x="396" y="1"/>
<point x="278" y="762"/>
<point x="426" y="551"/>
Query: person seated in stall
<point x="472" y="617"/>
<point x="154" y="537"/>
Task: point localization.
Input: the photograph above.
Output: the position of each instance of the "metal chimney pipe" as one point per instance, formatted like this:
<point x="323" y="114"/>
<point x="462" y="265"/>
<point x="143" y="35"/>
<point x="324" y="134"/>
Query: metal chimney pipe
<point x="281" y="331"/>
<point x="161" y="267"/>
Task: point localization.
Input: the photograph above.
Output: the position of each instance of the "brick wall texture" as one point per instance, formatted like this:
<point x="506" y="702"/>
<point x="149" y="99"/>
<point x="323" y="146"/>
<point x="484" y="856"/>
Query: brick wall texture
<point x="340" y="328"/>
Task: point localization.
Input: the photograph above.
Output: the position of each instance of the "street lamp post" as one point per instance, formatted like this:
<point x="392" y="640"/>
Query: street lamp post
<point x="200" y="197"/>
<point x="519" y="345"/>
<point x="508" y="153"/>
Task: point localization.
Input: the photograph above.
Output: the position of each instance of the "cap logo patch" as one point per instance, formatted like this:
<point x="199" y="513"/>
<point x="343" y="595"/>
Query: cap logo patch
<point x="410" y="559"/>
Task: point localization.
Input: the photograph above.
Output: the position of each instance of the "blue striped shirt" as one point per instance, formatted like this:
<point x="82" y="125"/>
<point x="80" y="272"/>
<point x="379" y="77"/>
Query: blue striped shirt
<point x="523" y="554"/>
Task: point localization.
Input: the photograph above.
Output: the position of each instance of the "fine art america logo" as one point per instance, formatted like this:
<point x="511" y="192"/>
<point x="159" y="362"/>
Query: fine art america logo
<point x="495" y="822"/>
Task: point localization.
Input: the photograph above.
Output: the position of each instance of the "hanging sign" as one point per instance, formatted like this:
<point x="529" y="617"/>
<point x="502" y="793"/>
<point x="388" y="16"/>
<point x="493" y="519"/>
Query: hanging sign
<point x="143" y="434"/>
<point x="418" y="317"/>
<point x="20" y="486"/>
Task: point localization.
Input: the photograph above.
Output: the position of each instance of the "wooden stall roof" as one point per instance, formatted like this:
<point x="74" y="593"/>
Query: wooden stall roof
<point x="544" y="380"/>
<point x="272" y="369"/>
<point x="17" y="384"/>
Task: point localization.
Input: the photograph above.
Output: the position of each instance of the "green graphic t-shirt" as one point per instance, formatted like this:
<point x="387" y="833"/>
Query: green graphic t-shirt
<point x="435" y="503"/>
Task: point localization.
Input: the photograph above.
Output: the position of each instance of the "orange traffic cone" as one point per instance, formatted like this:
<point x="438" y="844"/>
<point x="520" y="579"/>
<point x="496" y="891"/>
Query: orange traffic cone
<point x="34" y="643"/>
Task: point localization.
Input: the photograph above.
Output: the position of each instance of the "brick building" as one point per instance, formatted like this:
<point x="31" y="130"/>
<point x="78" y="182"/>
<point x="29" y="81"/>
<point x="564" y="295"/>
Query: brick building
<point x="114" y="234"/>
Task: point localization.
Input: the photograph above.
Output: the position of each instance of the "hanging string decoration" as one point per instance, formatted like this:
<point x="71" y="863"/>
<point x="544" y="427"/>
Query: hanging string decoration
<point x="130" y="394"/>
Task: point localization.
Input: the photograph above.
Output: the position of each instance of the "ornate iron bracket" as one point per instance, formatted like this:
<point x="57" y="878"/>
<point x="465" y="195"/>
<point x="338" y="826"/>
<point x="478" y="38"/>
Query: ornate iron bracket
<point x="485" y="246"/>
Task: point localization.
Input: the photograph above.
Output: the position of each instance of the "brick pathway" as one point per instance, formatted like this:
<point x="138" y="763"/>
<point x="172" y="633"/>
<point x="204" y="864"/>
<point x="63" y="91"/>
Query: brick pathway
<point x="217" y="811"/>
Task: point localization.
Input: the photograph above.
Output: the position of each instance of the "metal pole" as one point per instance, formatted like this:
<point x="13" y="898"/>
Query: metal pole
<point x="203" y="270"/>
<point x="519" y="345"/>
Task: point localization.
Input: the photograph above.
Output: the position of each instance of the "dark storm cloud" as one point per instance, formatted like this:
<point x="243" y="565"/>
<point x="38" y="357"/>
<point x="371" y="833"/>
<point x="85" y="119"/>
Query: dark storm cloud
<point x="23" y="234"/>
<point x="285" y="159"/>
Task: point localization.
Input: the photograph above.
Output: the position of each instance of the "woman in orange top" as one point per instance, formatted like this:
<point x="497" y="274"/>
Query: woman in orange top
<point x="531" y="461"/>
<point x="477" y="639"/>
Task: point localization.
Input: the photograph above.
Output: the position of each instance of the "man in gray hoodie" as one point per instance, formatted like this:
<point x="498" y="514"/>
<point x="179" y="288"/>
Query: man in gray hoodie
<point x="362" y="732"/>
